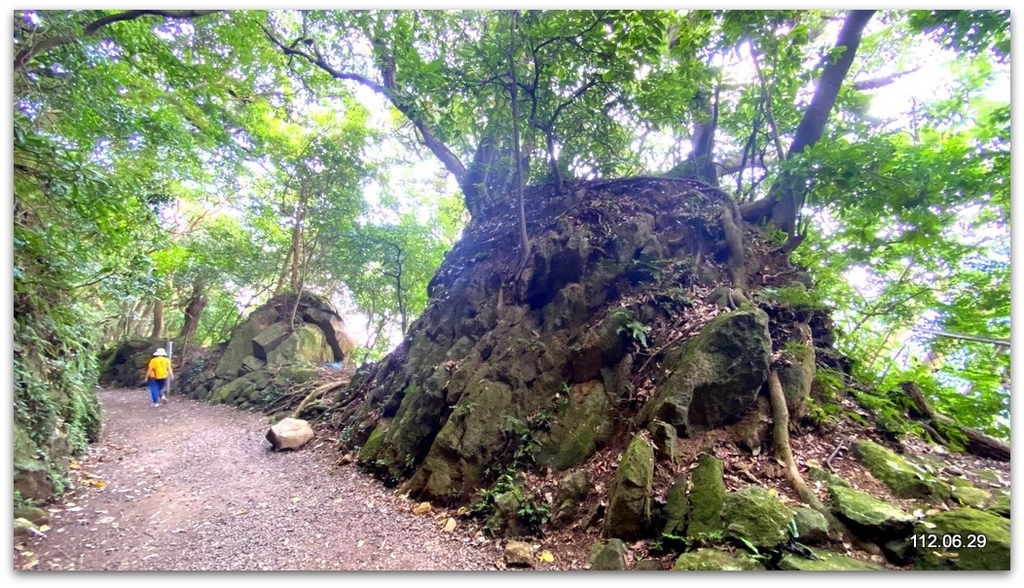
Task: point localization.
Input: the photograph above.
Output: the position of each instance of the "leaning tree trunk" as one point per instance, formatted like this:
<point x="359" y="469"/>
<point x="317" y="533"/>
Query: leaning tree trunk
<point x="193" y="311"/>
<point x="785" y="197"/>
<point x="978" y="443"/>
<point x="158" y="320"/>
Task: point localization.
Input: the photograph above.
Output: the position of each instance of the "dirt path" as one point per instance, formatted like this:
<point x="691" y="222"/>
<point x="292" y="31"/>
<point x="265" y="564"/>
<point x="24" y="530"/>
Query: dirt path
<point x="192" y="486"/>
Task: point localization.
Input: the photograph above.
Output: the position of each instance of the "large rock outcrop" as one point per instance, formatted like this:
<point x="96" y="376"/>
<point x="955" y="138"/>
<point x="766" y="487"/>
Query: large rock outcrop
<point x="603" y="329"/>
<point x="263" y="357"/>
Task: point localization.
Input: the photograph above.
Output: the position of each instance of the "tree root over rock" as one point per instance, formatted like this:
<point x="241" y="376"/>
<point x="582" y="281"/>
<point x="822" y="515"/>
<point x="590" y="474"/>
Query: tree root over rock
<point x="780" y="439"/>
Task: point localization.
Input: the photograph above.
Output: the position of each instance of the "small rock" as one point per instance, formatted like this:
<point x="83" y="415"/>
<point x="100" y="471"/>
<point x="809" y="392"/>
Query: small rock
<point x="519" y="554"/>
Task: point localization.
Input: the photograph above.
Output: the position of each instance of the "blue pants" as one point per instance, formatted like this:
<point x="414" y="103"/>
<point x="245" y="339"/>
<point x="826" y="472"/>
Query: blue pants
<point x="156" y="389"/>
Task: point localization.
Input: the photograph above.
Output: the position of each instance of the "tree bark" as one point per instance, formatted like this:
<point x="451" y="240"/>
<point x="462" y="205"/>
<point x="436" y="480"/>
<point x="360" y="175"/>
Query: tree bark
<point x="524" y="237"/>
<point x="158" y="319"/>
<point x="785" y="197"/>
<point x="783" y="451"/>
<point x="193" y="312"/>
<point x="26" y="55"/>
<point x="978" y="443"/>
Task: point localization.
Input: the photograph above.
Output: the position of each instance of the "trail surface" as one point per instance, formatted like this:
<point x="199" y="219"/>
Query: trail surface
<point x="190" y="486"/>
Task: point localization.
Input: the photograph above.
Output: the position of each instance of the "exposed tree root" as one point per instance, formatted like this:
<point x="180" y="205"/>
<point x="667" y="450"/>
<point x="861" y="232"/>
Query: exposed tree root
<point x="731" y="223"/>
<point x="780" y="439"/>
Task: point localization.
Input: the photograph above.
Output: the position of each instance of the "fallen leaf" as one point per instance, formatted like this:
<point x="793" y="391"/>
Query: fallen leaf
<point x="546" y="557"/>
<point x="30" y="564"/>
<point x="421" y="508"/>
<point x="450" y="525"/>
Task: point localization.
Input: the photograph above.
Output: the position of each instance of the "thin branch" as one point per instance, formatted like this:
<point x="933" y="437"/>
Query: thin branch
<point x="876" y="83"/>
<point x="24" y="56"/>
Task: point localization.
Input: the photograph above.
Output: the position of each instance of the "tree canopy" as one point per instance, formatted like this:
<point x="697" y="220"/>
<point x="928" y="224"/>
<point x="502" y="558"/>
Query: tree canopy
<point x="188" y="164"/>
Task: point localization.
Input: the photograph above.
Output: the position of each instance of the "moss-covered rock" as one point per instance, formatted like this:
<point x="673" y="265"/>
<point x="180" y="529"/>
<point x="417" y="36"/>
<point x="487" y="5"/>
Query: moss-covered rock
<point x="240" y="342"/>
<point x="707" y="494"/>
<point x="583" y="427"/>
<point x="481" y="426"/>
<point x="608" y="555"/>
<point x="962" y="539"/>
<point x="629" y="502"/>
<point x="811" y="525"/>
<point x="869" y="517"/>
<point x="677" y="507"/>
<point x="707" y="559"/>
<point x="306" y="344"/>
<point x="714" y="377"/>
<point x="664" y="437"/>
<point x="756" y="517"/>
<point x="31" y="471"/>
<point x="573" y="489"/>
<point x="968" y="495"/>
<point x="905" y="479"/>
<point x="1000" y="505"/>
<point x="827" y="561"/>
<point x="297" y="373"/>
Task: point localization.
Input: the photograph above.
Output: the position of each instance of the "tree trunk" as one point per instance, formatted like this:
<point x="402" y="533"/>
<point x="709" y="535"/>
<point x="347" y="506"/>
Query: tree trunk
<point x="524" y="237"/>
<point x="158" y="319"/>
<point x="193" y="311"/>
<point x="978" y="443"/>
<point x="300" y="215"/>
<point x="785" y="197"/>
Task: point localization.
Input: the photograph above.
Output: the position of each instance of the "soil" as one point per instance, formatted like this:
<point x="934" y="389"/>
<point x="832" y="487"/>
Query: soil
<point x="190" y="486"/>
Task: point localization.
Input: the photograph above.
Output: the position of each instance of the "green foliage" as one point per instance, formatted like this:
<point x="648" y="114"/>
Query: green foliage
<point x="169" y="159"/>
<point x="794" y="296"/>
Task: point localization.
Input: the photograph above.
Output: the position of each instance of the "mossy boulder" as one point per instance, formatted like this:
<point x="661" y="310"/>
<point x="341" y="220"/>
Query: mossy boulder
<point x="573" y="489"/>
<point x="757" y="517"/>
<point x="869" y="517"/>
<point x="608" y="555"/>
<point x="962" y="539"/>
<point x="240" y="344"/>
<point x="811" y="526"/>
<point x="1000" y="505"/>
<point x="481" y="426"/>
<point x="905" y="479"/>
<point x="707" y="560"/>
<point x="306" y="344"/>
<point x="966" y="494"/>
<point x="826" y="561"/>
<point x="714" y="377"/>
<point x="31" y="471"/>
<point x="677" y="507"/>
<point x="583" y="427"/>
<point x="629" y="503"/>
<point x="707" y="495"/>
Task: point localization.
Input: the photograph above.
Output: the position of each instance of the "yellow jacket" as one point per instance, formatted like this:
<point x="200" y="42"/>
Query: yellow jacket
<point x="159" y="368"/>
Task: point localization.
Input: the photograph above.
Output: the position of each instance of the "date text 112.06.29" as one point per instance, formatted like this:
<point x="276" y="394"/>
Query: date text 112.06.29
<point x="949" y="541"/>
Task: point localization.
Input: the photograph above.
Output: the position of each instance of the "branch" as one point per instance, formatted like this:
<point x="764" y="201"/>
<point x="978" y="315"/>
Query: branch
<point x="876" y="83"/>
<point x="812" y="125"/>
<point x="975" y="338"/>
<point x="768" y="105"/>
<point x="23" y="57"/>
<point x="388" y="89"/>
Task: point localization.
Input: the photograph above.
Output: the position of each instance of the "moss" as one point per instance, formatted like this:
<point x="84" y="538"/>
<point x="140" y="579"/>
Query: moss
<point x="963" y="539"/>
<point x="707" y="494"/>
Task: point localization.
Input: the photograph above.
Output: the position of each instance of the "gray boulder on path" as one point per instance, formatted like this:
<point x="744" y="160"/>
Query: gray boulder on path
<point x="289" y="433"/>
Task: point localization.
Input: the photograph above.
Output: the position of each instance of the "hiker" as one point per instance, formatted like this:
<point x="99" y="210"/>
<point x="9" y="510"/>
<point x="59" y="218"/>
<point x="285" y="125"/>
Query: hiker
<point x="157" y="373"/>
